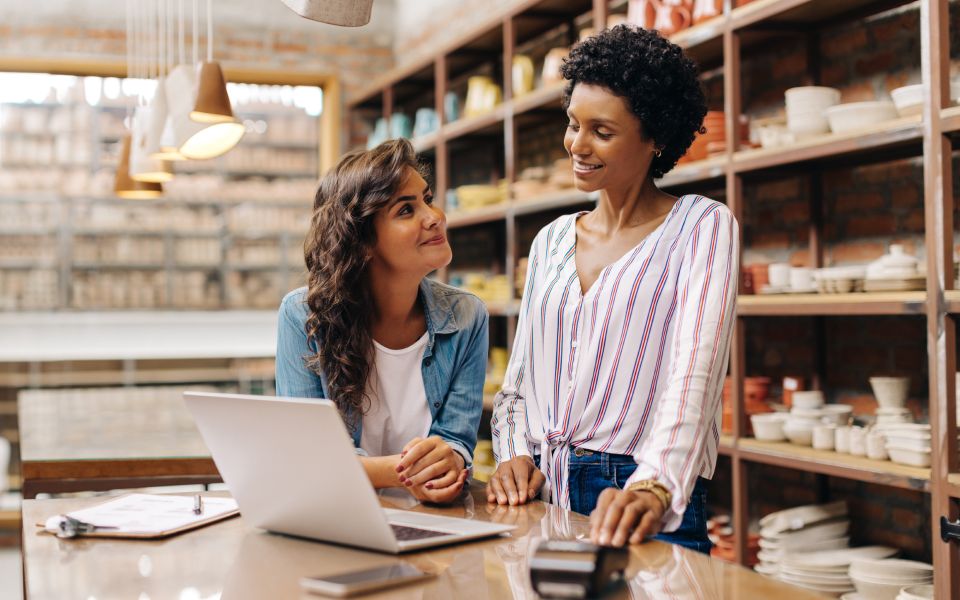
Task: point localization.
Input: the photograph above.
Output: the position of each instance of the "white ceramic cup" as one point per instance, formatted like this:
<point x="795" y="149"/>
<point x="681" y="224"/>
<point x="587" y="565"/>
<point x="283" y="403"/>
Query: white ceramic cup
<point x="876" y="446"/>
<point x="824" y="437"/>
<point x="779" y="274"/>
<point x="858" y="441"/>
<point x="841" y="441"/>
<point x="801" y="278"/>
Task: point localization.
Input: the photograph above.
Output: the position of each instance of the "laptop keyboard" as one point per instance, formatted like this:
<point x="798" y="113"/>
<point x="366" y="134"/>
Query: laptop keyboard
<point x="409" y="534"/>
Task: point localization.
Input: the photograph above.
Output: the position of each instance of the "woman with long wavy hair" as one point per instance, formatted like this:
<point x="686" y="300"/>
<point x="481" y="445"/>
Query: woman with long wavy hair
<point x="401" y="355"/>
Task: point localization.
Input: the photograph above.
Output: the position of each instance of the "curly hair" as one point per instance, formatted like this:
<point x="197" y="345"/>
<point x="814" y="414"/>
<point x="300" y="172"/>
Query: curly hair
<point x="657" y="80"/>
<point x="337" y="251"/>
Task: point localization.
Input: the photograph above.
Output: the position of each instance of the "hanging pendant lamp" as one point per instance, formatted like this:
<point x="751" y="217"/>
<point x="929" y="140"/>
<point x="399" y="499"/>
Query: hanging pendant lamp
<point x="126" y="187"/>
<point x="213" y="103"/>
<point x="160" y="139"/>
<point x="198" y="140"/>
<point x="345" y="14"/>
<point x="143" y="167"/>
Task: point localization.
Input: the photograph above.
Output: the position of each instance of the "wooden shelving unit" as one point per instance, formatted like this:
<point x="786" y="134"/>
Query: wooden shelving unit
<point x="722" y="42"/>
<point x="792" y="456"/>
<point x="877" y="303"/>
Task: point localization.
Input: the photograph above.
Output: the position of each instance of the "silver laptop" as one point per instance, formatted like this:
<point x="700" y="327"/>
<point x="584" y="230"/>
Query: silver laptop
<point x="291" y="466"/>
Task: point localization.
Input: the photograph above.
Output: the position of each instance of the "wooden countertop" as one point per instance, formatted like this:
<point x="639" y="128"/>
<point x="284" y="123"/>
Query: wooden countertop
<point x="232" y="560"/>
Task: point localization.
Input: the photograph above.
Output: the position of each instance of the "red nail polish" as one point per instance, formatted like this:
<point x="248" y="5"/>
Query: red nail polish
<point x="429" y="486"/>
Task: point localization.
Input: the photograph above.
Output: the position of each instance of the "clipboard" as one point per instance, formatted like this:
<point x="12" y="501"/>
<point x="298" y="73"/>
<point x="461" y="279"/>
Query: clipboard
<point x="141" y="516"/>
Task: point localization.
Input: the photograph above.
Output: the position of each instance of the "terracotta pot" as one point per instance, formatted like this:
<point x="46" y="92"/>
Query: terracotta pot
<point x="670" y="18"/>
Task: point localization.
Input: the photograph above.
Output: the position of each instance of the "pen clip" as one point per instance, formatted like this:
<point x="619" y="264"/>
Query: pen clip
<point x="70" y="527"/>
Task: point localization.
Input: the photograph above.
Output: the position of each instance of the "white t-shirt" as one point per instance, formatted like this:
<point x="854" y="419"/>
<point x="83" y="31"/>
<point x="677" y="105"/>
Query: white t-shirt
<point x="398" y="401"/>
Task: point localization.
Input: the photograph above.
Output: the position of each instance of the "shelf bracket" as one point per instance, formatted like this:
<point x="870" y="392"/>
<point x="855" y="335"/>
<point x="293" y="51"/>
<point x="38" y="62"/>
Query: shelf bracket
<point x="949" y="532"/>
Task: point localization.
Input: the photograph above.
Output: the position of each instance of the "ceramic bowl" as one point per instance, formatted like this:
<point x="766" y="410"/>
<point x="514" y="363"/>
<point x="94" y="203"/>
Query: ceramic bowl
<point x="909" y="98"/>
<point x="907" y="456"/>
<point x="836" y="414"/>
<point x="808" y="399"/>
<point x="859" y="115"/>
<point x="769" y="427"/>
<point x="891" y="392"/>
<point x="799" y="432"/>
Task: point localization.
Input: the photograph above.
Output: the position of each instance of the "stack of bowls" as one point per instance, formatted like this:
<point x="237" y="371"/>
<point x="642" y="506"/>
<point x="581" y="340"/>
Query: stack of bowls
<point x="806" y="109"/>
<point x="883" y="579"/>
<point x="809" y="412"/>
<point x="907" y="443"/>
<point x="855" y="116"/>
<point x="827" y="571"/>
<point x="811" y="528"/>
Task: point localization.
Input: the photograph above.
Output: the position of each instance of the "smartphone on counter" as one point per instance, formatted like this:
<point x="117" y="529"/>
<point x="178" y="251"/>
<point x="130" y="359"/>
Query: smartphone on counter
<point x="367" y="580"/>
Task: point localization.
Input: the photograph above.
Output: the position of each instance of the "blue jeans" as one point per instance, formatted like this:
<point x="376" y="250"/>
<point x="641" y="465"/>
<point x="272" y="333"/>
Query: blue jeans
<point x="592" y="472"/>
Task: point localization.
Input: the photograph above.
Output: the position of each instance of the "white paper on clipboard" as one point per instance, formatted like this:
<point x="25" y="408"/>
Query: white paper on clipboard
<point x="149" y="515"/>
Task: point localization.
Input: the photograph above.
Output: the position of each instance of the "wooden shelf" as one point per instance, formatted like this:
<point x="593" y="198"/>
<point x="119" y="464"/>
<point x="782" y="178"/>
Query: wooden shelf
<point x="878" y="303"/>
<point x="503" y="309"/>
<point x="494" y="212"/>
<point x="885" y="136"/>
<point x="883" y="472"/>
<point x="952" y="300"/>
<point x="538" y="98"/>
<point x="953" y="485"/>
<point x="9" y="520"/>
<point x="798" y="12"/>
<point x="466" y="126"/>
<point x="553" y="201"/>
<point x="695" y="172"/>
<point x="950" y="119"/>
<point x="425" y="143"/>
<point x="727" y="445"/>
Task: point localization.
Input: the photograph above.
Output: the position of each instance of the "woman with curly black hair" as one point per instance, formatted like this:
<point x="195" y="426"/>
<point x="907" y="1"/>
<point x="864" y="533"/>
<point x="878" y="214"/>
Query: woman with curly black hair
<point x="402" y="356"/>
<point x="611" y="401"/>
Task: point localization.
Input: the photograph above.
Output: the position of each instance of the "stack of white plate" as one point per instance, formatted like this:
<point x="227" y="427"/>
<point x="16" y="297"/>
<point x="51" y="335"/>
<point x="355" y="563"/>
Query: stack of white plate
<point x="827" y="571"/>
<point x="916" y="592"/>
<point x="883" y="579"/>
<point x="809" y="528"/>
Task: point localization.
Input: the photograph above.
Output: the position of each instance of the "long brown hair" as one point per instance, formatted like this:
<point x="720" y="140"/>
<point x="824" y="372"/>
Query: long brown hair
<point x="337" y="251"/>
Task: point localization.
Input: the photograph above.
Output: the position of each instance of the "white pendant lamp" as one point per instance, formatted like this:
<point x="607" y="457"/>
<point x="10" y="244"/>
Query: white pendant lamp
<point x="160" y="130"/>
<point x="123" y="185"/>
<point x="351" y="13"/>
<point x="197" y="140"/>
<point x="143" y="167"/>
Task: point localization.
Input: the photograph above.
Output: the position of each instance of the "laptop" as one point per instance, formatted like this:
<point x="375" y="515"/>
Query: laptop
<point x="291" y="466"/>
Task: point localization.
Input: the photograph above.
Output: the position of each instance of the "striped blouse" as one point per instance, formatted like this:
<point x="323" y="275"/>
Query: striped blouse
<point x="633" y="366"/>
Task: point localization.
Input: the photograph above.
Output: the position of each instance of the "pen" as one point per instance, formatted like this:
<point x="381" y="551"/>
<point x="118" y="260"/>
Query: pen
<point x="198" y="504"/>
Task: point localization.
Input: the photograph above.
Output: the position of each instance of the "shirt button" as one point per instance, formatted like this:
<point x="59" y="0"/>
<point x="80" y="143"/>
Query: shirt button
<point x="574" y="343"/>
<point x="427" y="362"/>
<point x="436" y="405"/>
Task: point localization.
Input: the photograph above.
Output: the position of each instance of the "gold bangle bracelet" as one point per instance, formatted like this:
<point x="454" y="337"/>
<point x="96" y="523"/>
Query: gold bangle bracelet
<point x="654" y="487"/>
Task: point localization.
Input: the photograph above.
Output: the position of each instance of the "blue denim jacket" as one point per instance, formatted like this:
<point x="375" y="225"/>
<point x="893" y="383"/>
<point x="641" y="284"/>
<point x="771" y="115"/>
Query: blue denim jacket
<point x="454" y="361"/>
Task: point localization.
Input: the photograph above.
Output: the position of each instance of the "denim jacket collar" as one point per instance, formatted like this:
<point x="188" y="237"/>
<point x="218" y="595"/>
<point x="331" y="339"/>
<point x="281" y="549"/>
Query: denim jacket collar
<point x="437" y="309"/>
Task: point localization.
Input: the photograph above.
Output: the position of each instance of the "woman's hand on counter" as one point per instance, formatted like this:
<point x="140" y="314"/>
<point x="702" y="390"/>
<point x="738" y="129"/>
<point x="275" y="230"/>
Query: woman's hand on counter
<point x="429" y="462"/>
<point x="516" y="481"/>
<point x="622" y="516"/>
<point x="440" y="495"/>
